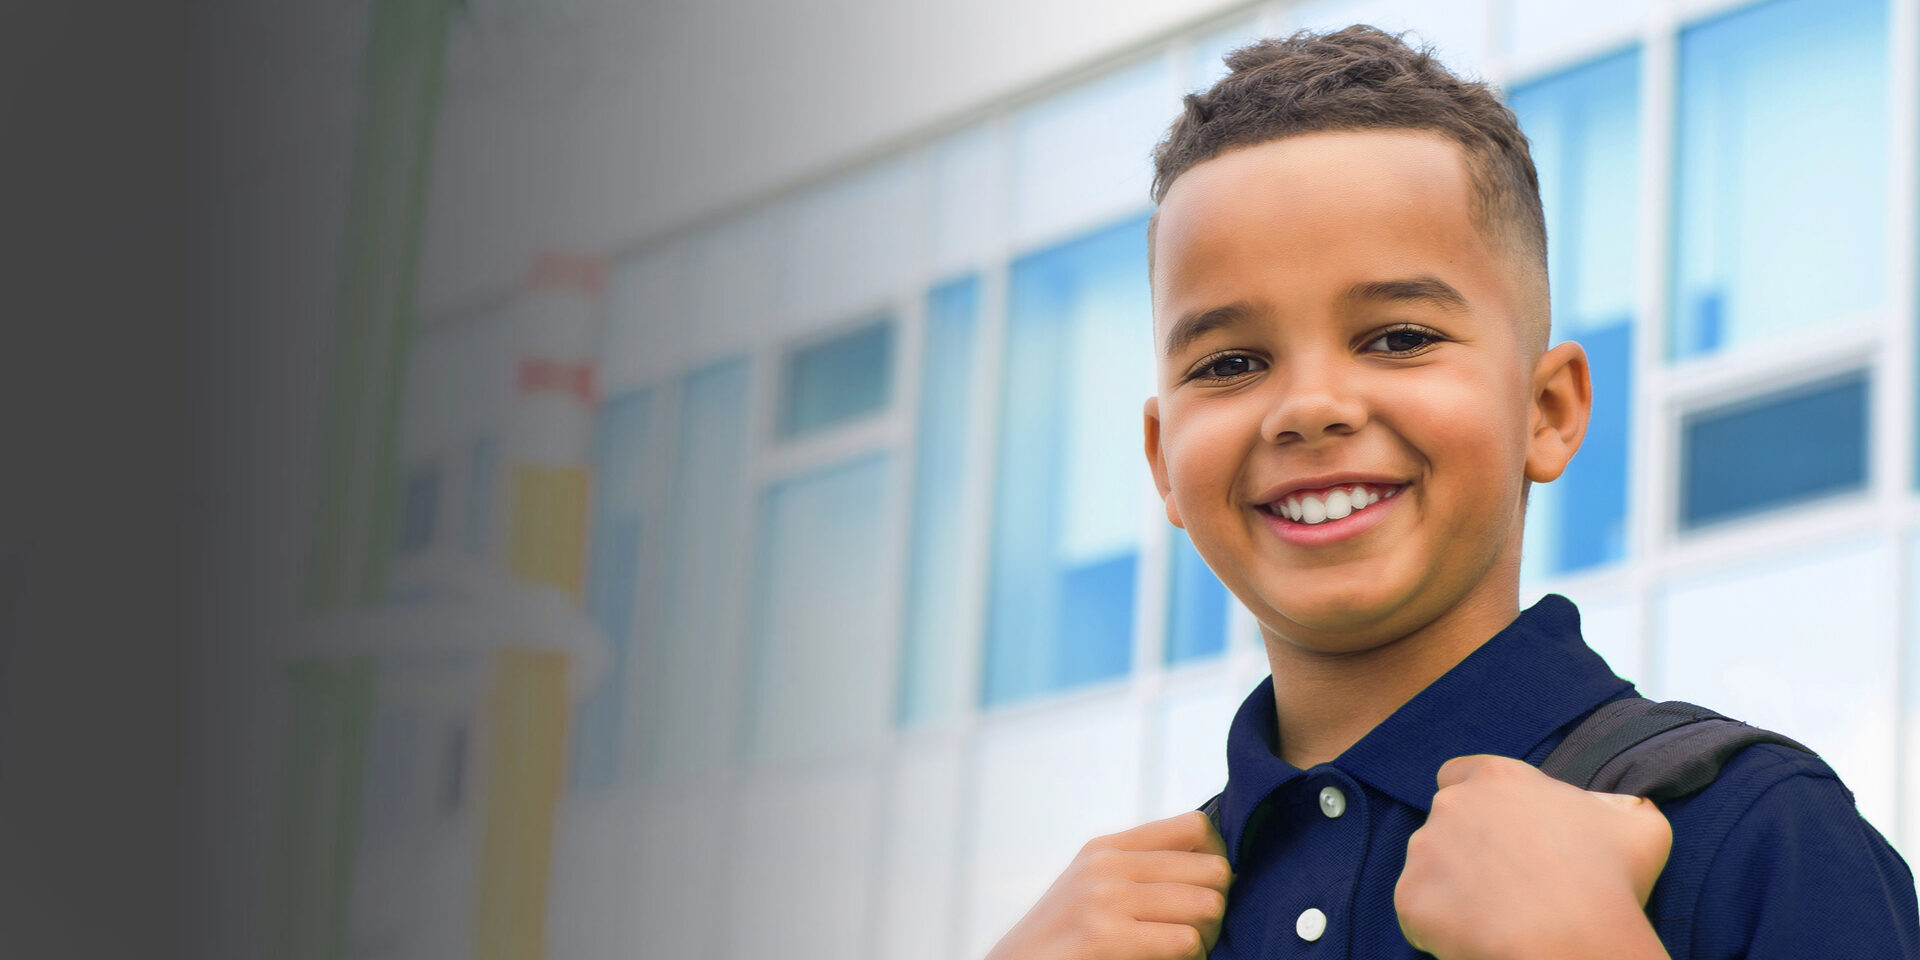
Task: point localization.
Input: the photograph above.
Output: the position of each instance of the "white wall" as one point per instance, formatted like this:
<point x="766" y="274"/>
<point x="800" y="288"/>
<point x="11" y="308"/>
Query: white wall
<point x="602" y="123"/>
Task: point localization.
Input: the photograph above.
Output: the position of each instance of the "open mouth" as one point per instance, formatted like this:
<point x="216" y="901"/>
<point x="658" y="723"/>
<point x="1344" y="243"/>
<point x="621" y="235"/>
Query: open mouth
<point x="1310" y="507"/>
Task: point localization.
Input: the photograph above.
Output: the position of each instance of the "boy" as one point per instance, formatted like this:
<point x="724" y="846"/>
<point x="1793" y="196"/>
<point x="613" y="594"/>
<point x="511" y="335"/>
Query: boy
<point x="1348" y="264"/>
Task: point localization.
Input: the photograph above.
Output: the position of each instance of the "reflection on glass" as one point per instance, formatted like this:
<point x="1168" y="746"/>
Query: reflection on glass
<point x="1782" y="167"/>
<point x="1778" y="450"/>
<point x="613" y="579"/>
<point x="836" y="381"/>
<point x="935" y="647"/>
<point x="1078" y="363"/>
<point x="1584" y="129"/>
<point x="1196" y="604"/>
<point x="1083" y="156"/>
<point x="420" y="507"/>
<point x="483" y="463"/>
<point x="821" y="653"/>
<point x="689" y="668"/>
<point x="1802" y="642"/>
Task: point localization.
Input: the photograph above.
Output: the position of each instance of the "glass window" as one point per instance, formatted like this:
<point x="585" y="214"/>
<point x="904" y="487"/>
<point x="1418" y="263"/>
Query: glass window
<point x="1550" y="33"/>
<point x="1084" y="156"/>
<point x="1804" y="643"/>
<point x="1583" y="126"/>
<point x="835" y="381"/>
<point x="453" y="770"/>
<point x="689" y="672"/>
<point x="822" y="642"/>
<point x="613" y="579"/>
<point x="387" y="800"/>
<point x="1041" y="784"/>
<point x="483" y="465"/>
<point x="1458" y="29"/>
<point x="1196" y="604"/>
<point x="1078" y="364"/>
<point x="1206" y="59"/>
<point x="1779" y="103"/>
<point x="1780" y="449"/>
<point x="936" y="649"/>
<point x="419" y="507"/>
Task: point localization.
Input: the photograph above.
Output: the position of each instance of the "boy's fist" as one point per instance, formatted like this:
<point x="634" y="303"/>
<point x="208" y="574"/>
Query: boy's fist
<point x="1513" y="863"/>
<point x="1155" y="892"/>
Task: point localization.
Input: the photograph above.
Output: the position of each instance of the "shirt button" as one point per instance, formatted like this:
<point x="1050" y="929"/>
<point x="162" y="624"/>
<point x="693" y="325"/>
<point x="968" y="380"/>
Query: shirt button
<point x="1332" y="802"/>
<point x="1311" y="925"/>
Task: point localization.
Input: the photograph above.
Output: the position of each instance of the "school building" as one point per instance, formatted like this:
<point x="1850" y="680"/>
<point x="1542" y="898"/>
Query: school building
<point x="790" y="582"/>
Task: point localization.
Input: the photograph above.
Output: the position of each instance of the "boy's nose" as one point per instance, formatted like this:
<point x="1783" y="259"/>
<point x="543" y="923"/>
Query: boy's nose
<point x="1310" y="410"/>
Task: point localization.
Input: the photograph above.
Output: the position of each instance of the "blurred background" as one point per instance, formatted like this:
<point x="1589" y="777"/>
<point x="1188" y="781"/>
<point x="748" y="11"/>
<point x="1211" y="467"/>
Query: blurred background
<point x="666" y="479"/>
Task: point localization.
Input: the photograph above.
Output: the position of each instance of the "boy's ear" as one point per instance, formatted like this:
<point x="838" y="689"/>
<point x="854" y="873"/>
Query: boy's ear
<point x="1150" y="427"/>
<point x="1557" y="417"/>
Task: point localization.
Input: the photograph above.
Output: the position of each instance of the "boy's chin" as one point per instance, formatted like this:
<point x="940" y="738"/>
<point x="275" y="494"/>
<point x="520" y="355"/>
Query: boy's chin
<point x="1348" y="622"/>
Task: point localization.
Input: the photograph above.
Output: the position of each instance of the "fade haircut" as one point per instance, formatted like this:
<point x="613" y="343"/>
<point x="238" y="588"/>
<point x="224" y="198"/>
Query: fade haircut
<point x="1363" y="78"/>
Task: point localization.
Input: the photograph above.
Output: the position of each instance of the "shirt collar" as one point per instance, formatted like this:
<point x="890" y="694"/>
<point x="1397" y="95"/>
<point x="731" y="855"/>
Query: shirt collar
<point x="1507" y="697"/>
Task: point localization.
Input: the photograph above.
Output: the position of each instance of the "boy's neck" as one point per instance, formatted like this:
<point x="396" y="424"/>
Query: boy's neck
<point x="1327" y="702"/>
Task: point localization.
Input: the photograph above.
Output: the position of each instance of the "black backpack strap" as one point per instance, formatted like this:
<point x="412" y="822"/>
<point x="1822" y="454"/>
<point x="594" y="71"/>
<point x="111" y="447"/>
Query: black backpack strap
<point x="1658" y="750"/>
<point x="1212" y="809"/>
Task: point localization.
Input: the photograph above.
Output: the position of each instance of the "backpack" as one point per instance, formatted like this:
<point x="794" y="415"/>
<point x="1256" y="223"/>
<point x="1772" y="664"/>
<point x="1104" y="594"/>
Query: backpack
<point x="1653" y="749"/>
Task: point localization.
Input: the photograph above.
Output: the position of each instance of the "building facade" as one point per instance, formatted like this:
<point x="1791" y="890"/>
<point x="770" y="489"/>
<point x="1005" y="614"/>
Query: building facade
<point x="850" y="480"/>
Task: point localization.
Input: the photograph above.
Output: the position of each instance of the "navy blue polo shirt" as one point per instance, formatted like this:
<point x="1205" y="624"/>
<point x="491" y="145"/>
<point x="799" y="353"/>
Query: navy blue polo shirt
<point x="1771" y="860"/>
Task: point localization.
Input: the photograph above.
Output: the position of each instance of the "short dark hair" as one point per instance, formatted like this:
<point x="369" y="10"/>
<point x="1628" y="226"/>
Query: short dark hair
<point x="1363" y="78"/>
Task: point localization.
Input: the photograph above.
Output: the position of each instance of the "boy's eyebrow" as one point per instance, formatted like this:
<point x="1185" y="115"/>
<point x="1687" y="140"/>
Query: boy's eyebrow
<point x="1423" y="289"/>
<point x="1431" y="290"/>
<point x="1193" y="326"/>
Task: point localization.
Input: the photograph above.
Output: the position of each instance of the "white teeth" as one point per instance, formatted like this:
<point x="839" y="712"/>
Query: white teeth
<point x="1339" y="505"/>
<point x="1312" y="510"/>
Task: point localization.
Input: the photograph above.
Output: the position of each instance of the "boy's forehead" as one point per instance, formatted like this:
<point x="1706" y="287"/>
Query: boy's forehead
<point x="1376" y="197"/>
<point x="1316" y="169"/>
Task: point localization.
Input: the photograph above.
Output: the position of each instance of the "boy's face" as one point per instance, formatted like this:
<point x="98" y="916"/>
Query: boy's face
<point x="1338" y="341"/>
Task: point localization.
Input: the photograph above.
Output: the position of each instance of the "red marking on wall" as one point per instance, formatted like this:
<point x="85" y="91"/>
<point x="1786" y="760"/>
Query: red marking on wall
<point x="546" y="375"/>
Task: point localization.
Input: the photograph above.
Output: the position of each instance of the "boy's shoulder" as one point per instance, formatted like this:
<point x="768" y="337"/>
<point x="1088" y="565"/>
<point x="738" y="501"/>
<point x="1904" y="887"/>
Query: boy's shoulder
<point x="1774" y="859"/>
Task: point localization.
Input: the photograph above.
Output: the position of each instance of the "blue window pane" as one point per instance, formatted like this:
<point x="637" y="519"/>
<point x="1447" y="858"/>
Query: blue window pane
<point x="1583" y="126"/>
<point x="935" y="646"/>
<point x="420" y="505"/>
<point x="613" y="577"/>
<point x="1782" y="449"/>
<point x="822" y="671"/>
<point x="1196" y="604"/>
<point x="1066" y="535"/>
<point x="833" y="382"/>
<point x="1593" y="490"/>
<point x="1779" y="103"/>
<point x="688" y="674"/>
<point x="483" y="465"/>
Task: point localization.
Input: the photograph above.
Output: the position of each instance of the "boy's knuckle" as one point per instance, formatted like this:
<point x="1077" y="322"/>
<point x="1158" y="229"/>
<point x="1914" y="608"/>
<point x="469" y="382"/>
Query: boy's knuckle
<point x="1186" y="941"/>
<point x="1213" y="903"/>
<point x="1218" y="872"/>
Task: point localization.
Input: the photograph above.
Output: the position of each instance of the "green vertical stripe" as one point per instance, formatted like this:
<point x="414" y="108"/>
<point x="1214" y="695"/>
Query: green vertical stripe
<point x="356" y="511"/>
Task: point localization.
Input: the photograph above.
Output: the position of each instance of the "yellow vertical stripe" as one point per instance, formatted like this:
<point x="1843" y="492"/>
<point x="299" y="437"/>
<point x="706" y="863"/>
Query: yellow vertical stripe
<point x="525" y="772"/>
<point x="547" y="542"/>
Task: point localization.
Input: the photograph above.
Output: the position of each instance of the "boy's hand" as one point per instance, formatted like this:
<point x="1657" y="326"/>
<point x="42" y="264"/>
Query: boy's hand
<point x="1155" y="892"/>
<point x="1513" y="863"/>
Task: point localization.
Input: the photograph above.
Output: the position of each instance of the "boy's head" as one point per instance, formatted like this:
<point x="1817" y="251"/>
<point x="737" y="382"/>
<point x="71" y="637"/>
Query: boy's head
<point x="1358" y="79"/>
<point x="1350" y="321"/>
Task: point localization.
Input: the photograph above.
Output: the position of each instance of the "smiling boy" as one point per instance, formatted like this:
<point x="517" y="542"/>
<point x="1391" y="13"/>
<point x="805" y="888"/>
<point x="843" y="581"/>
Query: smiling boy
<point x="1355" y="389"/>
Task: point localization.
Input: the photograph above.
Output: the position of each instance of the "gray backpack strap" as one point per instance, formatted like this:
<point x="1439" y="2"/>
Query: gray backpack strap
<point x="1661" y="751"/>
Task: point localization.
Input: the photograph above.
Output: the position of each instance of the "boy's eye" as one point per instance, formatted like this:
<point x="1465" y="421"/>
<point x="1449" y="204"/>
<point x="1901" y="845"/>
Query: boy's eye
<point x="1225" y="367"/>
<point x="1403" y="340"/>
